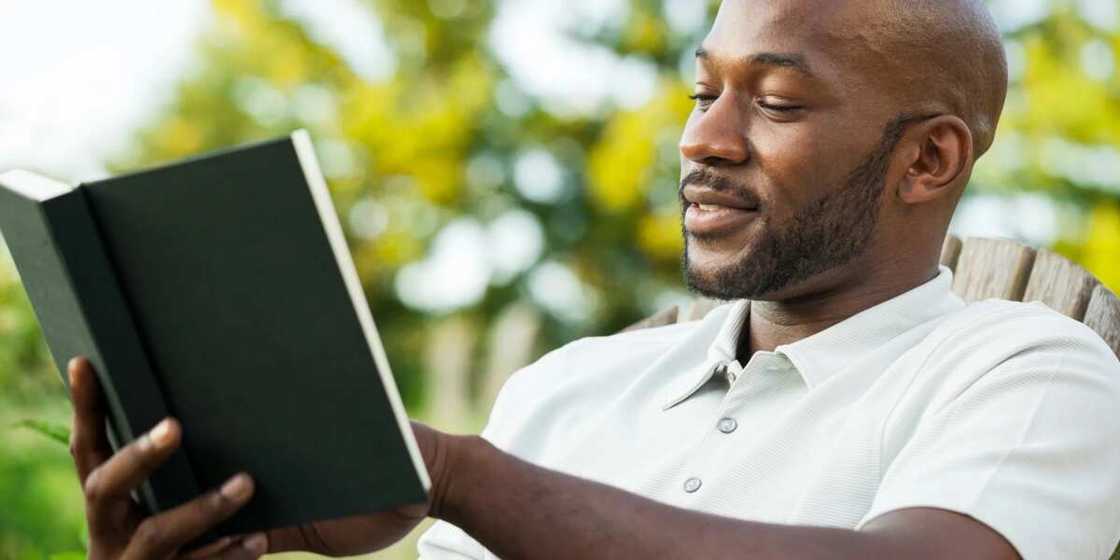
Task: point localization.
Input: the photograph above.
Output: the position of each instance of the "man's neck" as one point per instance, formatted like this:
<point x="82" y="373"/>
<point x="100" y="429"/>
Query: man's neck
<point x="777" y="322"/>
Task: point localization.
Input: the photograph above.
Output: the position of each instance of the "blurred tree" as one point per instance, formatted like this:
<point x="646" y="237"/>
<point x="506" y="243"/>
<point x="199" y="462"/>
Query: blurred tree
<point x="412" y="154"/>
<point x="1060" y="133"/>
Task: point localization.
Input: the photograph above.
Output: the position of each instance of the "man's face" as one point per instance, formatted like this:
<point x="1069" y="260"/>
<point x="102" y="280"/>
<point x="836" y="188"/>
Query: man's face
<point x="785" y="155"/>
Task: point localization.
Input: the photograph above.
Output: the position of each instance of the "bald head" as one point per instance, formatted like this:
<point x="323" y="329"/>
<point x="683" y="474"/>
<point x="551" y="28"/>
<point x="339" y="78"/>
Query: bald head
<point x="903" y="57"/>
<point x="931" y="56"/>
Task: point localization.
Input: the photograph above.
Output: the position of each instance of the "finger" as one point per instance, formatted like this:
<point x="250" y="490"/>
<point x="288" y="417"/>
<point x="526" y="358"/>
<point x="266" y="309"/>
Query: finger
<point x="161" y="535"/>
<point x="89" y="444"/>
<point x="287" y="539"/>
<point x="211" y="549"/>
<point x="250" y="548"/>
<point x="113" y="482"/>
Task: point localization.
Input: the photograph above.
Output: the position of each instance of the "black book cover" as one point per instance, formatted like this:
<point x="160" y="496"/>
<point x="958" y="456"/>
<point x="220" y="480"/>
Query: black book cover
<point x="235" y="273"/>
<point x="70" y="282"/>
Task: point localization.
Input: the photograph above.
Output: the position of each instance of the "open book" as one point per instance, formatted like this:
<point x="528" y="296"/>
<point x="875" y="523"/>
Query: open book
<point x="220" y="290"/>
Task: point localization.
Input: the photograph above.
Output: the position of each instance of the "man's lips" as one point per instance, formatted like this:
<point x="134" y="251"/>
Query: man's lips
<point x="712" y="212"/>
<point x="706" y="220"/>
<point x="699" y="195"/>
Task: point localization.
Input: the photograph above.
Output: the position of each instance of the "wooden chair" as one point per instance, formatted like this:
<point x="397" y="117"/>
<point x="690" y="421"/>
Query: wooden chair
<point x="992" y="268"/>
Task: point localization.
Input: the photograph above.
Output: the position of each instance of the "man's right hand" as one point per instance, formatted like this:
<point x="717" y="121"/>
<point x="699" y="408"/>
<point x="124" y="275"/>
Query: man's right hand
<point x="118" y="528"/>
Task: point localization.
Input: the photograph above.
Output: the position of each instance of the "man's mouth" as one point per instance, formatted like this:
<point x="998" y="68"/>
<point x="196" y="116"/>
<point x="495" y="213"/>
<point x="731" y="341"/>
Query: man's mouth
<point x="709" y="220"/>
<point x="712" y="213"/>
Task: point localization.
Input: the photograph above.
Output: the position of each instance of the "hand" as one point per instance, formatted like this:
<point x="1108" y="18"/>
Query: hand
<point x="369" y="533"/>
<point x="118" y="530"/>
<point x="117" y="527"/>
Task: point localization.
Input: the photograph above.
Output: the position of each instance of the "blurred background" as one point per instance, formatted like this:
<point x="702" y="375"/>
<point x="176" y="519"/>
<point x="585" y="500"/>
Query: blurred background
<point x="505" y="170"/>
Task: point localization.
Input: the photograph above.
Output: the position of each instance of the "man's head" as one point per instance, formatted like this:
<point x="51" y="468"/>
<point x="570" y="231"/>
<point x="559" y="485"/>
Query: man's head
<point x="832" y="137"/>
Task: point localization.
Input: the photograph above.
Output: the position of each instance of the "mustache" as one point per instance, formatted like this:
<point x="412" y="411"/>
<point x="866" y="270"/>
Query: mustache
<point x="706" y="178"/>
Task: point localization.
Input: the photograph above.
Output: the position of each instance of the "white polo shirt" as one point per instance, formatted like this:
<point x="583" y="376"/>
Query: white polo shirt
<point x="1007" y="412"/>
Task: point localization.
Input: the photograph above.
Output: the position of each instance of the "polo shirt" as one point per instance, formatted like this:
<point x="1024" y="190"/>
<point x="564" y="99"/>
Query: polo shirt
<point x="1007" y="412"/>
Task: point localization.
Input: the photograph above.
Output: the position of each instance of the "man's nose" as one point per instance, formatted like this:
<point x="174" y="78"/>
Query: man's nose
<point x="716" y="137"/>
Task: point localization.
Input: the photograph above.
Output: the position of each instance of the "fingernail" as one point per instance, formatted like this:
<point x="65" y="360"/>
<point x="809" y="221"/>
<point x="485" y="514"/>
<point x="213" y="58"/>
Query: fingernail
<point x="256" y="544"/>
<point x="71" y="367"/>
<point x="222" y="542"/>
<point x="161" y="434"/>
<point x="236" y="488"/>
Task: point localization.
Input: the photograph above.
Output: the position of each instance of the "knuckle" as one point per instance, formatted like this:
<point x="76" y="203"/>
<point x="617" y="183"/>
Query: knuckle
<point x="218" y="503"/>
<point x="138" y="449"/>
<point x="94" y="487"/>
<point x="138" y="454"/>
<point x="150" y="535"/>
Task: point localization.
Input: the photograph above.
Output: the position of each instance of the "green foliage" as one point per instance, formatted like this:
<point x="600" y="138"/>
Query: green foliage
<point x="42" y="511"/>
<point x="26" y="372"/>
<point x="1060" y="133"/>
<point x="68" y="556"/>
<point x="53" y="431"/>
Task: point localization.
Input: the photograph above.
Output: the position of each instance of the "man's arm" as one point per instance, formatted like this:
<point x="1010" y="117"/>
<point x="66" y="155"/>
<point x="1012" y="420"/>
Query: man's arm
<point x="518" y="510"/>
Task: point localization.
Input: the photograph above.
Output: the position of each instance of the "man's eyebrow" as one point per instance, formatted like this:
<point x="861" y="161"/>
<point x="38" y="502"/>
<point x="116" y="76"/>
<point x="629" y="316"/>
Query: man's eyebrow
<point x="793" y="61"/>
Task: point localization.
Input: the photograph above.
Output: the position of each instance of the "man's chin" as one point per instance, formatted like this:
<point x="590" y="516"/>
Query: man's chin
<point x="758" y="274"/>
<point x="704" y="287"/>
<point x="724" y="281"/>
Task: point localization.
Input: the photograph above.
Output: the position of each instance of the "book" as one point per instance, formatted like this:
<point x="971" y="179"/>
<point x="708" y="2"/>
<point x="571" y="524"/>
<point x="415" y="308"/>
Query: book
<point x="220" y="290"/>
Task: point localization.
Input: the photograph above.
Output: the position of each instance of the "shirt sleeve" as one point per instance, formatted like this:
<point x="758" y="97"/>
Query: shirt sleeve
<point x="444" y="541"/>
<point x="1029" y="447"/>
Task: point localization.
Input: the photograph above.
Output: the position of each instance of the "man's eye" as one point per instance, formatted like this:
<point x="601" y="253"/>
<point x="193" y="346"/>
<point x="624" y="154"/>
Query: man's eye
<point x="779" y="108"/>
<point x="703" y="100"/>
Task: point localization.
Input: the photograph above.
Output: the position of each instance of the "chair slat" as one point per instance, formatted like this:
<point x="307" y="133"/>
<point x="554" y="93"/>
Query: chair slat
<point x="951" y="251"/>
<point x="698" y="309"/>
<point x="992" y="268"/>
<point x="1103" y="316"/>
<point x="1059" y="283"/>
<point x="660" y="319"/>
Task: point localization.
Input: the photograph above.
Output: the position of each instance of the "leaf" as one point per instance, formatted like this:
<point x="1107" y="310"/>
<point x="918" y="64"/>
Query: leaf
<point x="74" y="555"/>
<point x="56" y="432"/>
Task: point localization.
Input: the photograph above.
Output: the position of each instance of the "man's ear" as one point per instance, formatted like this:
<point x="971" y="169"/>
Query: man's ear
<point x="939" y="158"/>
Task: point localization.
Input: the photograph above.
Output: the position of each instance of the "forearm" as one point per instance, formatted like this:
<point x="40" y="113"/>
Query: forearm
<point x="518" y="510"/>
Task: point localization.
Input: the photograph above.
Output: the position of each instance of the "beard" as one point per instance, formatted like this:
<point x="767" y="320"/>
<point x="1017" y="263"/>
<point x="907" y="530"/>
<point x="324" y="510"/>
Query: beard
<point x="826" y="233"/>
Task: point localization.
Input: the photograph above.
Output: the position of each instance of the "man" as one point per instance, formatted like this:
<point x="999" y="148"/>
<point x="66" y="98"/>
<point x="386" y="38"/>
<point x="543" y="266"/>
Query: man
<point x="846" y="405"/>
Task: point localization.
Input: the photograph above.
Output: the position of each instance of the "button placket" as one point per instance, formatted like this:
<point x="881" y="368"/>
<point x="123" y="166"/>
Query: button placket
<point x="742" y="383"/>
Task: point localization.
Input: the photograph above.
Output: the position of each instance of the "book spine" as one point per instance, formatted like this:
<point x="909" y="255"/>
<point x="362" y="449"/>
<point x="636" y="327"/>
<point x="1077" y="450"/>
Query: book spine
<point x="73" y="288"/>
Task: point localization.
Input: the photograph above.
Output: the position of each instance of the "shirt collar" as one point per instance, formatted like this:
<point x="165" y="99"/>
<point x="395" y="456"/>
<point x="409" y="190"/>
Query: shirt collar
<point x="721" y="353"/>
<point x="819" y="356"/>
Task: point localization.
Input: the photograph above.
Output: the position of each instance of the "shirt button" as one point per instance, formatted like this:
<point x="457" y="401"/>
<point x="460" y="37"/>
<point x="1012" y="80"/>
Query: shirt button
<point x="692" y="485"/>
<point x="726" y="373"/>
<point x="727" y="425"/>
